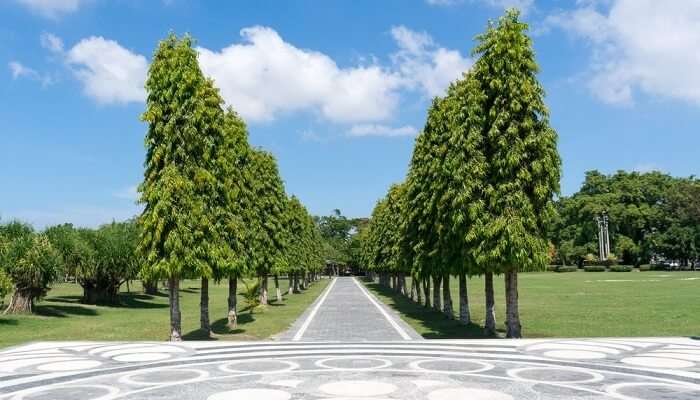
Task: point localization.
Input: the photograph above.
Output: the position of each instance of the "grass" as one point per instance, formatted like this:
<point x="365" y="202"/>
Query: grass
<point x="60" y="316"/>
<point x="577" y="304"/>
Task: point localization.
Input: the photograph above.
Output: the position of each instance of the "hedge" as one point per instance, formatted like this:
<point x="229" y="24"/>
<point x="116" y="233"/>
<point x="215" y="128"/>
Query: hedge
<point x="594" y="268"/>
<point x="645" y="267"/>
<point x="621" y="268"/>
<point x="565" y="269"/>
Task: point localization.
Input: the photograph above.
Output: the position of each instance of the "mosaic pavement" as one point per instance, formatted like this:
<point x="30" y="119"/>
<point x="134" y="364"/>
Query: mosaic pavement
<point x="349" y="346"/>
<point x="646" y="369"/>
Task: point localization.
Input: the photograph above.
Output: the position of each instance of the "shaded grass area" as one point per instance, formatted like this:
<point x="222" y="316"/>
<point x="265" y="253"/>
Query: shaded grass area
<point x="60" y="316"/>
<point x="576" y="304"/>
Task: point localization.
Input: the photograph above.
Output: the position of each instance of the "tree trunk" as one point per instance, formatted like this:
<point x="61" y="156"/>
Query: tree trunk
<point x="513" y="328"/>
<point x="204" y="307"/>
<point x="290" y="282"/>
<point x="263" y="290"/>
<point x="296" y="283"/>
<point x="278" y="292"/>
<point x="150" y="287"/>
<point x="232" y="303"/>
<point x="426" y="291"/>
<point x="22" y="301"/>
<point x="417" y="282"/>
<point x="404" y="288"/>
<point x="437" y="302"/>
<point x="447" y="297"/>
<point x="413" y="290"/>
<point x="174" y="297"/>
<point x="490" y="324"/>
<point x="464" y="315"/>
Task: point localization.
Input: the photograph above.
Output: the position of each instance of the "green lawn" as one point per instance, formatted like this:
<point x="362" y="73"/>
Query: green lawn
<point x="578" y="304"/>
<point x="141" y="317"/>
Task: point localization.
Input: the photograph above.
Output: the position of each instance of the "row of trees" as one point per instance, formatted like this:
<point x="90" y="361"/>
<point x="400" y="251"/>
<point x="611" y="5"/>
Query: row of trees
<point x="477" y="199"/>
<point x="652" y="216"/>
<point x="100" y="260"/>
<point x="214" y="207"/>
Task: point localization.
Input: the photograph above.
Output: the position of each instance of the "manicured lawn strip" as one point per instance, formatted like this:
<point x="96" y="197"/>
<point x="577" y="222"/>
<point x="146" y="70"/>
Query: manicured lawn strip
<point x="60" y="316"/>
<point x="576" y="304"/>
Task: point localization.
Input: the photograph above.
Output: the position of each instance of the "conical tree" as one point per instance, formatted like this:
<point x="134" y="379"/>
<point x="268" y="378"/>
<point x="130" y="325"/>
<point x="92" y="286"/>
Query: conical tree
<point x="179" y="236"/>
<point x="523" y="161"/>
<point x="267" y="238"/>
<point x="236" y="211"/>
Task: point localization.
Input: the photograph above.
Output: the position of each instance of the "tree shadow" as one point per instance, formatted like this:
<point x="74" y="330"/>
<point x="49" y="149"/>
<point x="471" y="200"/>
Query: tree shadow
<point x="8" y="321"/>
<point x="438" y="325"/>
<point x="61" y="311"/>
<point x="139" y="301"/>
<point x="219" y="329"/>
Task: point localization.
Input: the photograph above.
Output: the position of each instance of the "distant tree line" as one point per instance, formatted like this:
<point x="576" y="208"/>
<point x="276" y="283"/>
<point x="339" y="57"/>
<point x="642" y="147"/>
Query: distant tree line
<point x="653" y="217"/>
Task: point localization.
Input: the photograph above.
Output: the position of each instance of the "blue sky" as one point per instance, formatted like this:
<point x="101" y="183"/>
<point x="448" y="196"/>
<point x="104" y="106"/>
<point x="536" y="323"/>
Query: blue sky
<point x="336" y="90"/>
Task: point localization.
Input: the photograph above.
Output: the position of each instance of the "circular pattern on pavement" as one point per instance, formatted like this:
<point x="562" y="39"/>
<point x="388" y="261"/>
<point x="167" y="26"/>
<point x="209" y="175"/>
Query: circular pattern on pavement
<point x="258" y="366"/>
<point x="164" y="376"/>
<point x="251" y="394"/>
<point x="75" y="365"/>
<point x="555" y="375"/>
<point x="467" y="393"/>
<point x="358" y="388"/>
<point x="575" y="354"/>
<point x="657" y="362"/>
<point x="452" y="366"/>
<point x="353" y="363"/>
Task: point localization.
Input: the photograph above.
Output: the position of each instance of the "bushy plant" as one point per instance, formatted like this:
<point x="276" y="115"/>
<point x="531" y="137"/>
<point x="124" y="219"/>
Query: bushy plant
<point x="5" y="285"/>
<point x="645" y="267"/>
<point x="566" y="269"/>
<point x="251" y="295"/>
<point x="611" y="260"/>
<point x="621" y="268"/>
<point x="594" y="268"/>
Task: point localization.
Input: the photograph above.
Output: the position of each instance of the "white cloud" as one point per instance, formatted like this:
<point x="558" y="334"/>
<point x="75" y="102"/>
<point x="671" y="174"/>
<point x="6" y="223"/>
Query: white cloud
<point x="20" y="71"/>
<point x="109" y="72"/>
<point x="423" y="64"/>
<point x="381" y="130"/>
<point x="264" y="76"/>
<point x="639" y="45"/>
<point x="51" y="42"/>
<point x="52" y="8"/>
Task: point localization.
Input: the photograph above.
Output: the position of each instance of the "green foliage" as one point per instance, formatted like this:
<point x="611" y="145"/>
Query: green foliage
<point x="650" y="214"/>
<point x="5" y="284"/>
<point x="28" y="260"/>
<point x="268" y="236"/>
<point x="594" y="268"/>
<point x="181" y="233"/>
<point x="644" y="267"/>
<point x="251" y="295"/>
<point x="621" y="268"/>
<point x="382" y="250"/>
<point x="562" y="268"/>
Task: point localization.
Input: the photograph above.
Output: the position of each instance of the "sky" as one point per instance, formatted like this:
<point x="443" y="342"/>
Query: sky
<point x="336" y="90"/>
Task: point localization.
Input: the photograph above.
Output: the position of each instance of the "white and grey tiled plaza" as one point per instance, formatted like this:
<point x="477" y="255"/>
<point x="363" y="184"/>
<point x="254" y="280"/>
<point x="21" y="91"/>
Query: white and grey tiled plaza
<point x="359" y="368"/>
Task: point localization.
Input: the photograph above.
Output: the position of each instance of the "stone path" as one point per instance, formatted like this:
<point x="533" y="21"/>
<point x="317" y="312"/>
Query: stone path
<point x="347" y="311"/>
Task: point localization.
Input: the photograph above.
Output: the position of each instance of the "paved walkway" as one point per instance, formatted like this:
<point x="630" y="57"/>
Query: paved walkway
<point x="348" y="312"/>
